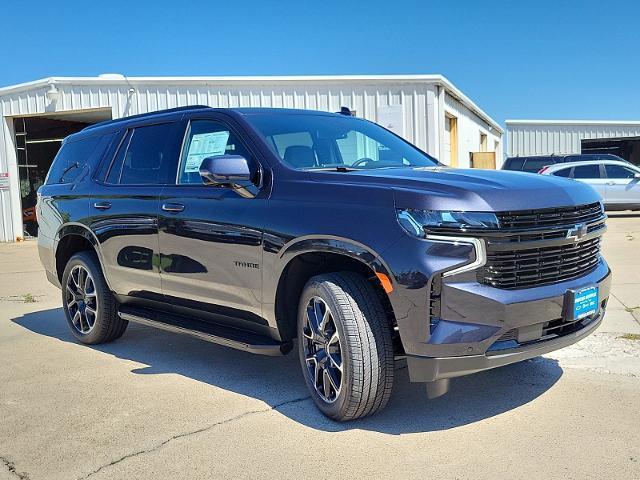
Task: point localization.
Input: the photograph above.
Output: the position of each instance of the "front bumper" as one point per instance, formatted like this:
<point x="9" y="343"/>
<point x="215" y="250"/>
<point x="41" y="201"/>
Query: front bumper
<point x="478" y="317"/>
<point x="427" y="369"/>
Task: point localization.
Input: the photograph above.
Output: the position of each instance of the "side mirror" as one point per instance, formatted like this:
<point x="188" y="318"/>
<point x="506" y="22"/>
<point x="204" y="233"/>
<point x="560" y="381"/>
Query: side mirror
<point x="229" y="170"/>
<point x="637" y="175"/>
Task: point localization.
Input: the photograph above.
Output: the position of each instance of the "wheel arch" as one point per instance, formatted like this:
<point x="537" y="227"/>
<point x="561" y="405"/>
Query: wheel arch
<point x="311" y="256"/>
<point x="72" y="238"/>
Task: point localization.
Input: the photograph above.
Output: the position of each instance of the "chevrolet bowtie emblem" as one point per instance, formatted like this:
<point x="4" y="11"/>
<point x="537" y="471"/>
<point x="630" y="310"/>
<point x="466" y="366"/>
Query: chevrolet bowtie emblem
<point x="577" y="232"/>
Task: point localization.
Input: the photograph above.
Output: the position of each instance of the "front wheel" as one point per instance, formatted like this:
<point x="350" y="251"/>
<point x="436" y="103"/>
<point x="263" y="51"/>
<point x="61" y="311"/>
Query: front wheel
<point x="345" y="346"/>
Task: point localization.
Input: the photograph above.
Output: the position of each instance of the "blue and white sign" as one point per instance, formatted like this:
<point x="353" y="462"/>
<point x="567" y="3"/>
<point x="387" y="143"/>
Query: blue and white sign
<point x="585" y="303"/>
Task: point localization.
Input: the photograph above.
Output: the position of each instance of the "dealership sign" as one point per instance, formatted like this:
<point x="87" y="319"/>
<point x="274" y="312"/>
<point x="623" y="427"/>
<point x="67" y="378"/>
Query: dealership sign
<point x="4" y="180"/>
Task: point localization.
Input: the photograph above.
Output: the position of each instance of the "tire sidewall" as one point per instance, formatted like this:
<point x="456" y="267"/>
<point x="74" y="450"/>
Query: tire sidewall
<point x="89" y="264"/>
<point x="333" y="409"/>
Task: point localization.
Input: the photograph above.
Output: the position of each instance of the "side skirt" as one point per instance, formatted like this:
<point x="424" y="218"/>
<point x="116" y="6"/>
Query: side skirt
<point x="214" y="333"/>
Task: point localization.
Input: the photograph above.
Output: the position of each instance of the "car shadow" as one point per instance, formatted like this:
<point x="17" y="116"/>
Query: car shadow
<point x="278" y="381"/>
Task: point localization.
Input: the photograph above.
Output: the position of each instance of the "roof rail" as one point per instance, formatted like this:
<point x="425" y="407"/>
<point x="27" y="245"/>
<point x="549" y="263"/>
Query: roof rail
<point x="148" y="114"/>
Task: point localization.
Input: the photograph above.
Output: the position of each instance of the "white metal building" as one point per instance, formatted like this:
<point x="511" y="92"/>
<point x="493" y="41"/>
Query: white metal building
<point x="427" y="110"/>
<point x="560" y="137"/>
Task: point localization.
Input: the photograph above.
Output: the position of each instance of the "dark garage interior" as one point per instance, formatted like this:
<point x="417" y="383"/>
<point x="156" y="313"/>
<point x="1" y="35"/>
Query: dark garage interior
<point x="37" y="141"/>
<point x="624" y="147"/>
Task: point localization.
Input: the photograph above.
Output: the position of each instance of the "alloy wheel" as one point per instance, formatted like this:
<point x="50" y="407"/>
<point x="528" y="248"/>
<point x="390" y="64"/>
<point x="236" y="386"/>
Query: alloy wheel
<point x="322" y="350"/>
<point x="81" y="299"/>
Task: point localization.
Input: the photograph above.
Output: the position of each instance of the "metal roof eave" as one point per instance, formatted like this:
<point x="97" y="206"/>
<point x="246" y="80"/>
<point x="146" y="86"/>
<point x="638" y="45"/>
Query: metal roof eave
<point x="435" y="79"/>
<point x="571" y="122"/>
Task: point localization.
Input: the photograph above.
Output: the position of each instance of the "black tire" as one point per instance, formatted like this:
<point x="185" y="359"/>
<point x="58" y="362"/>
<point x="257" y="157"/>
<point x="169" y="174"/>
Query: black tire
<point x="365" y="346"/>
<point x="107" y="325"/>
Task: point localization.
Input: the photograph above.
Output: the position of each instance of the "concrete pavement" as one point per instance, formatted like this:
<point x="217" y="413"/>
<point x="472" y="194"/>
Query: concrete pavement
<point x="159" y="405"/>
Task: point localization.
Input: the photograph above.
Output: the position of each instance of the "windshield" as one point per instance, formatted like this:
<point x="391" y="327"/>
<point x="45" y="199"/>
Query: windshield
<point x="313" y="142"/>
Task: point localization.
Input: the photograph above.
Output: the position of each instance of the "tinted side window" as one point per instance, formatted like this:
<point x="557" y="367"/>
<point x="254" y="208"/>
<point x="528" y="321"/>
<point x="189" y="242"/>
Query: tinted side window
<point x="565" y="172"/>
<point x="74" y="157"/>
<point x="514" y="164"/>
<point x="534" y="165"/>
<point x="113" y="174"/>
<point x="586" y="171"/>
<point x="618" y="171"/>
<point x="208" y="138"/>
<point x="147" y="155"/>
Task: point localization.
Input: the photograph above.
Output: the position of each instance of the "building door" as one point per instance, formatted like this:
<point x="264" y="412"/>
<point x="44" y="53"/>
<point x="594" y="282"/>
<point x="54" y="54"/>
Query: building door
<point x="450" y="156"/>
<point x="37" y="141"/>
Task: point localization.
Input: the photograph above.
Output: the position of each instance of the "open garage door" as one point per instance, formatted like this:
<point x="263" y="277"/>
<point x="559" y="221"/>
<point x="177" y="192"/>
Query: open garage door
<point x="624" y="147"/>
<point x="37" y="141"/>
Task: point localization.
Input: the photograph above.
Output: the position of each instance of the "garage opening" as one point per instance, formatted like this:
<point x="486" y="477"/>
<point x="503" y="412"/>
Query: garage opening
<point x="37" y="141"/>
<point x="624" y="147"/>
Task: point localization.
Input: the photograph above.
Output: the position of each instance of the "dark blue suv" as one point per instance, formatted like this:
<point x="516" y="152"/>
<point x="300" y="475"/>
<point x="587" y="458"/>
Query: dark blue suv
<point x="255" y="228"/>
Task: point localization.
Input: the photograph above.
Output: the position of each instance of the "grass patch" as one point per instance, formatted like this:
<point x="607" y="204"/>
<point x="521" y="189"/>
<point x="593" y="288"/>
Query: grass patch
<point x="630" y="336"/>
<point x="28" y="298"/>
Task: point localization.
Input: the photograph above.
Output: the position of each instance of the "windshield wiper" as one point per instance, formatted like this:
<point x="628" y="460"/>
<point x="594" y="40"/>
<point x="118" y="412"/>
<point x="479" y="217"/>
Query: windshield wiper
<point x="337" y="168"/>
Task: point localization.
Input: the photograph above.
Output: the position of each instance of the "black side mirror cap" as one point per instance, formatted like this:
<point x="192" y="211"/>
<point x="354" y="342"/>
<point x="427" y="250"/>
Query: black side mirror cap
<point x="229" y="170"/>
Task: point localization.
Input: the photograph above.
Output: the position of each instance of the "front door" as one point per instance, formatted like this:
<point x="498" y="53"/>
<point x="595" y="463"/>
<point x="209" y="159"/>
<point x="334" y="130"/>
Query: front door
<point x="623" y="188"/>
<point x="210" y="237"/>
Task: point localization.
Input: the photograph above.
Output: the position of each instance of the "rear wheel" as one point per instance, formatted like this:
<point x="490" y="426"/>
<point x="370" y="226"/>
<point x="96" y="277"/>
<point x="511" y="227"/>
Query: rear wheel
<point x="89" y="305"/>
<point x="345" y="346"/>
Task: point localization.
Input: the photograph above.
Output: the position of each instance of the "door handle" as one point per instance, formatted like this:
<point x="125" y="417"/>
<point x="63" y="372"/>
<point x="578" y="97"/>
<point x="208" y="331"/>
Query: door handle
<point x="102" y="205"/>
<point x="611" y="183"/>
<point x="173" y="207"/>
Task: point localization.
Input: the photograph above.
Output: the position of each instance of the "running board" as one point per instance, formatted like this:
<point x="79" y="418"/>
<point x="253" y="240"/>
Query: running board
<point x="214" y="333"/>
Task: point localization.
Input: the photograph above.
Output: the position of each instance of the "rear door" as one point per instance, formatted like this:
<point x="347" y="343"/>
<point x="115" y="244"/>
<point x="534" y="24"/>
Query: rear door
<point x="622" y="185"/>
<point x="124" y="208"/>
<point x="210" y="236"/>
<point x="591" y="174"/>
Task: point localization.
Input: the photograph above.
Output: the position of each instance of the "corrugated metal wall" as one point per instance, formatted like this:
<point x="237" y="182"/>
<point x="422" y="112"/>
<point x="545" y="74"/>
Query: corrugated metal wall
<point x="561" y="138"/>
<point x="130" y="97"/>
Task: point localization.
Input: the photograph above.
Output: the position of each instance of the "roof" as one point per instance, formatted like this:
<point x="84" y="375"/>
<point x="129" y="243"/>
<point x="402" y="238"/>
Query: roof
<point x="177" y="111"/>
<point x="560" y="166"/>
<point x="571" y="122"/>
<point x="116" y="79"/>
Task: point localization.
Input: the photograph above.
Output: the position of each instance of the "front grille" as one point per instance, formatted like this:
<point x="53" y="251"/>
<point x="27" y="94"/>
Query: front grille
<point x="548" y="331"/>
<point x="509" y="335"/>
<point x="550" y="216"/>
<point x="532" y="267"/>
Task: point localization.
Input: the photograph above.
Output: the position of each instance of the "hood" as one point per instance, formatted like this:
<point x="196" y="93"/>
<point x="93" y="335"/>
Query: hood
<point x="473" y="189"/>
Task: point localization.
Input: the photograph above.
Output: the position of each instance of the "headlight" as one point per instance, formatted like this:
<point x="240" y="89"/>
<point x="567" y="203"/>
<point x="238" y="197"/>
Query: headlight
<point x="422" y="222"/>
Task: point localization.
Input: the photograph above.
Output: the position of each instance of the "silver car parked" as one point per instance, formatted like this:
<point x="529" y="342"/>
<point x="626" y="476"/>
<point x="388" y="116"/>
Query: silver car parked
<point x="618" y="182"/>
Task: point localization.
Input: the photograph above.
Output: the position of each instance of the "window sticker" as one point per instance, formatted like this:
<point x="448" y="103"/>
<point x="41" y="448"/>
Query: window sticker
<point x="205" y="145"/>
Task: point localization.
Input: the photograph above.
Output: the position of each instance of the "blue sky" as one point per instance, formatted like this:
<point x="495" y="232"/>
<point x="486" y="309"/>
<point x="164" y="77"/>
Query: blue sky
<point x="519" y="59"/>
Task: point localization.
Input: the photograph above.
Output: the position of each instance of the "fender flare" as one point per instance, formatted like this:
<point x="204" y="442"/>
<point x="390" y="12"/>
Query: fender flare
<point x="332" y="244"/>
<point x="81" y="230"/>
<point x="318" y="244"/>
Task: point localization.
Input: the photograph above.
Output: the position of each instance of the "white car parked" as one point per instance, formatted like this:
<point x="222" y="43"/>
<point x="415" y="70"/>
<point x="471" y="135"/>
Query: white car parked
<point x="618" y="182"/>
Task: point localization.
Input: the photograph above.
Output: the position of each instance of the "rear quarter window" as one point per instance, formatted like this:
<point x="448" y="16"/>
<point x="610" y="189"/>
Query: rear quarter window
<point x="75" y="157"/>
